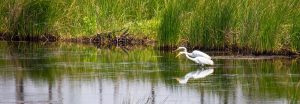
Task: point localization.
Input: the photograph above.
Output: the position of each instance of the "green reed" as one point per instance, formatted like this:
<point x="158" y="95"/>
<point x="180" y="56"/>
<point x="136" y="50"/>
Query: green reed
<point x="295" y="26"/>
<point x="259" y="26"/>
<point x="73" y="18"/>
<point x="210" y="23"/>
<point x="173" y="21"/>
<point x="170" y="25"/>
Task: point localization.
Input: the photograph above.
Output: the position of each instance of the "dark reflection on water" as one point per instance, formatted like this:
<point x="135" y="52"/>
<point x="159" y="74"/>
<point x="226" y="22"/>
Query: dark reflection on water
<point x="73" y="73"/>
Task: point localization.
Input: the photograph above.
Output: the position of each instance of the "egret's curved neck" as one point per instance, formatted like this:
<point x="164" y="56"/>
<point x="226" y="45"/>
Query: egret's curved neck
<point x="184" y="49"/>
<point x="187" y="56"/>
<point x="184" y="80"/>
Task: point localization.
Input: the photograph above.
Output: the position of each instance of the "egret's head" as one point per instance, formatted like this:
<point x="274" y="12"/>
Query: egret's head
<point x="181" y="48"/>
<point x="211" y="62"/>
<point x="182" y="81"/>
<point x="179" y="54"/>
<point x="178" y="79"/>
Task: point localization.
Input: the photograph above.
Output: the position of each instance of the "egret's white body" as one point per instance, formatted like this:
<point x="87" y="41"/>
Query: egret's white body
<point x="195" y="53"/>
<point x="199" y="60"/>
<point x="195" y="75"/>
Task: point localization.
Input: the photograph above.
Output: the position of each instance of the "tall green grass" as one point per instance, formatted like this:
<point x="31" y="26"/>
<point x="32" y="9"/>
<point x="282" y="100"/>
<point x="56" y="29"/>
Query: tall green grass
<point x="210" y="23"/>
<point x="259" y="26"/>
<point x="295" y="33"/>
<point x="295" y="26"/>
<point x="266" y="24"/>
<point x="74" y="18"/>
<point x="170" y="24"/>
<point x="175" y="16"/>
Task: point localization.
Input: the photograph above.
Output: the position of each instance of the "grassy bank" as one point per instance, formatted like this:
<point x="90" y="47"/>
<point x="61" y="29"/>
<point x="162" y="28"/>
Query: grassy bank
<point x="76" y="18"/>
<point x="255" y="26"/>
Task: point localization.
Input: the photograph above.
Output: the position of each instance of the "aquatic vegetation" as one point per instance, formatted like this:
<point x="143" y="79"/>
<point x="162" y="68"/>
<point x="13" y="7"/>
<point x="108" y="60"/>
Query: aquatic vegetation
<point x="257" y="26"/>
<point x="170" y="25"/>
<point x="74" y="18"/>
<point x="210" y="23"/>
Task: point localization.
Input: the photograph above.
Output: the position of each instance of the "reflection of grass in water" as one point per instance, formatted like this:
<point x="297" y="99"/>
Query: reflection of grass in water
<point x="53" y="61"/>
<point x="78" y="60"/>
<point x="262" y="78"/>
<point x="145" y="100"/>
<point x="272" y="78"/>
<point x="294" y="93"/>
<point x="257" y="79"/>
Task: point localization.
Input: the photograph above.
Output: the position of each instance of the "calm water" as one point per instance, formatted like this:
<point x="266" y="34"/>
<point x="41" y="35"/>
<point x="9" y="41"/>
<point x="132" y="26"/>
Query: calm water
<point x="73" y="73"/>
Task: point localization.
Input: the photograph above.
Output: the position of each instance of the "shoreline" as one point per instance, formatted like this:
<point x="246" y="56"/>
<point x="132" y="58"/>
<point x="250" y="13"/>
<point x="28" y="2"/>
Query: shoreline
<point x="109" y="38"/>
<point x="125" y="39"/>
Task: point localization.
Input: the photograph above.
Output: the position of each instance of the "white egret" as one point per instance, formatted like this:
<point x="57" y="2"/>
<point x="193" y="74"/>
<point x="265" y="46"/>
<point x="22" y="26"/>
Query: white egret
<point x="195" y="75"/>
<point x="199" y="60"/>
<point x="195" y="53"/>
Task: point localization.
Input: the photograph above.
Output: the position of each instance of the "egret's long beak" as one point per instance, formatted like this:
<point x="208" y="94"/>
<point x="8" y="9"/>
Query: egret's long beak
<point x="178" y="79"/>
<point x="178" y="54"/>
<point x="176" y="50"/>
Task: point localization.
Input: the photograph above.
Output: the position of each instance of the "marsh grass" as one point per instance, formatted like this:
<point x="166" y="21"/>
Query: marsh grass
<point x="257" y="26"/>
<point x="33" y="19"/>
<point x="174" y="18"/>
<point x="170" y="25"/>
<point x="75" y="18"/>
<point x="295" y="28"/>
<point x="210" y="24"/>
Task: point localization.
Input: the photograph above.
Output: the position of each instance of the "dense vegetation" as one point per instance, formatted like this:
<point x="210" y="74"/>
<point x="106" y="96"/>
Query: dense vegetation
<point x="260" y="26"/>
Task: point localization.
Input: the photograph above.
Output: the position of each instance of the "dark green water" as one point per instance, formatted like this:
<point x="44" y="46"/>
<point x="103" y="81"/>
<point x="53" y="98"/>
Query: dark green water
<point x="74" y="73"/>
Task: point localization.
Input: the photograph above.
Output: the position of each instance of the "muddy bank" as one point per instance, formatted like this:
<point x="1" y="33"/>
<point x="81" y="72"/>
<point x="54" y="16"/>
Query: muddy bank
<point x="123" y="38"/>
<point x="43" y="38"/>
<point x="117" y="38"/>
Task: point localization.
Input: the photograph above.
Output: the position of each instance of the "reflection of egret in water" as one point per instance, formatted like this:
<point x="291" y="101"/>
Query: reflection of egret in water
<point x="200" y="73"/>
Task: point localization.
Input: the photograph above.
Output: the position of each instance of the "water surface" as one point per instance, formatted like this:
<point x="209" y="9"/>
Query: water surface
<point x="75" y="73"/>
